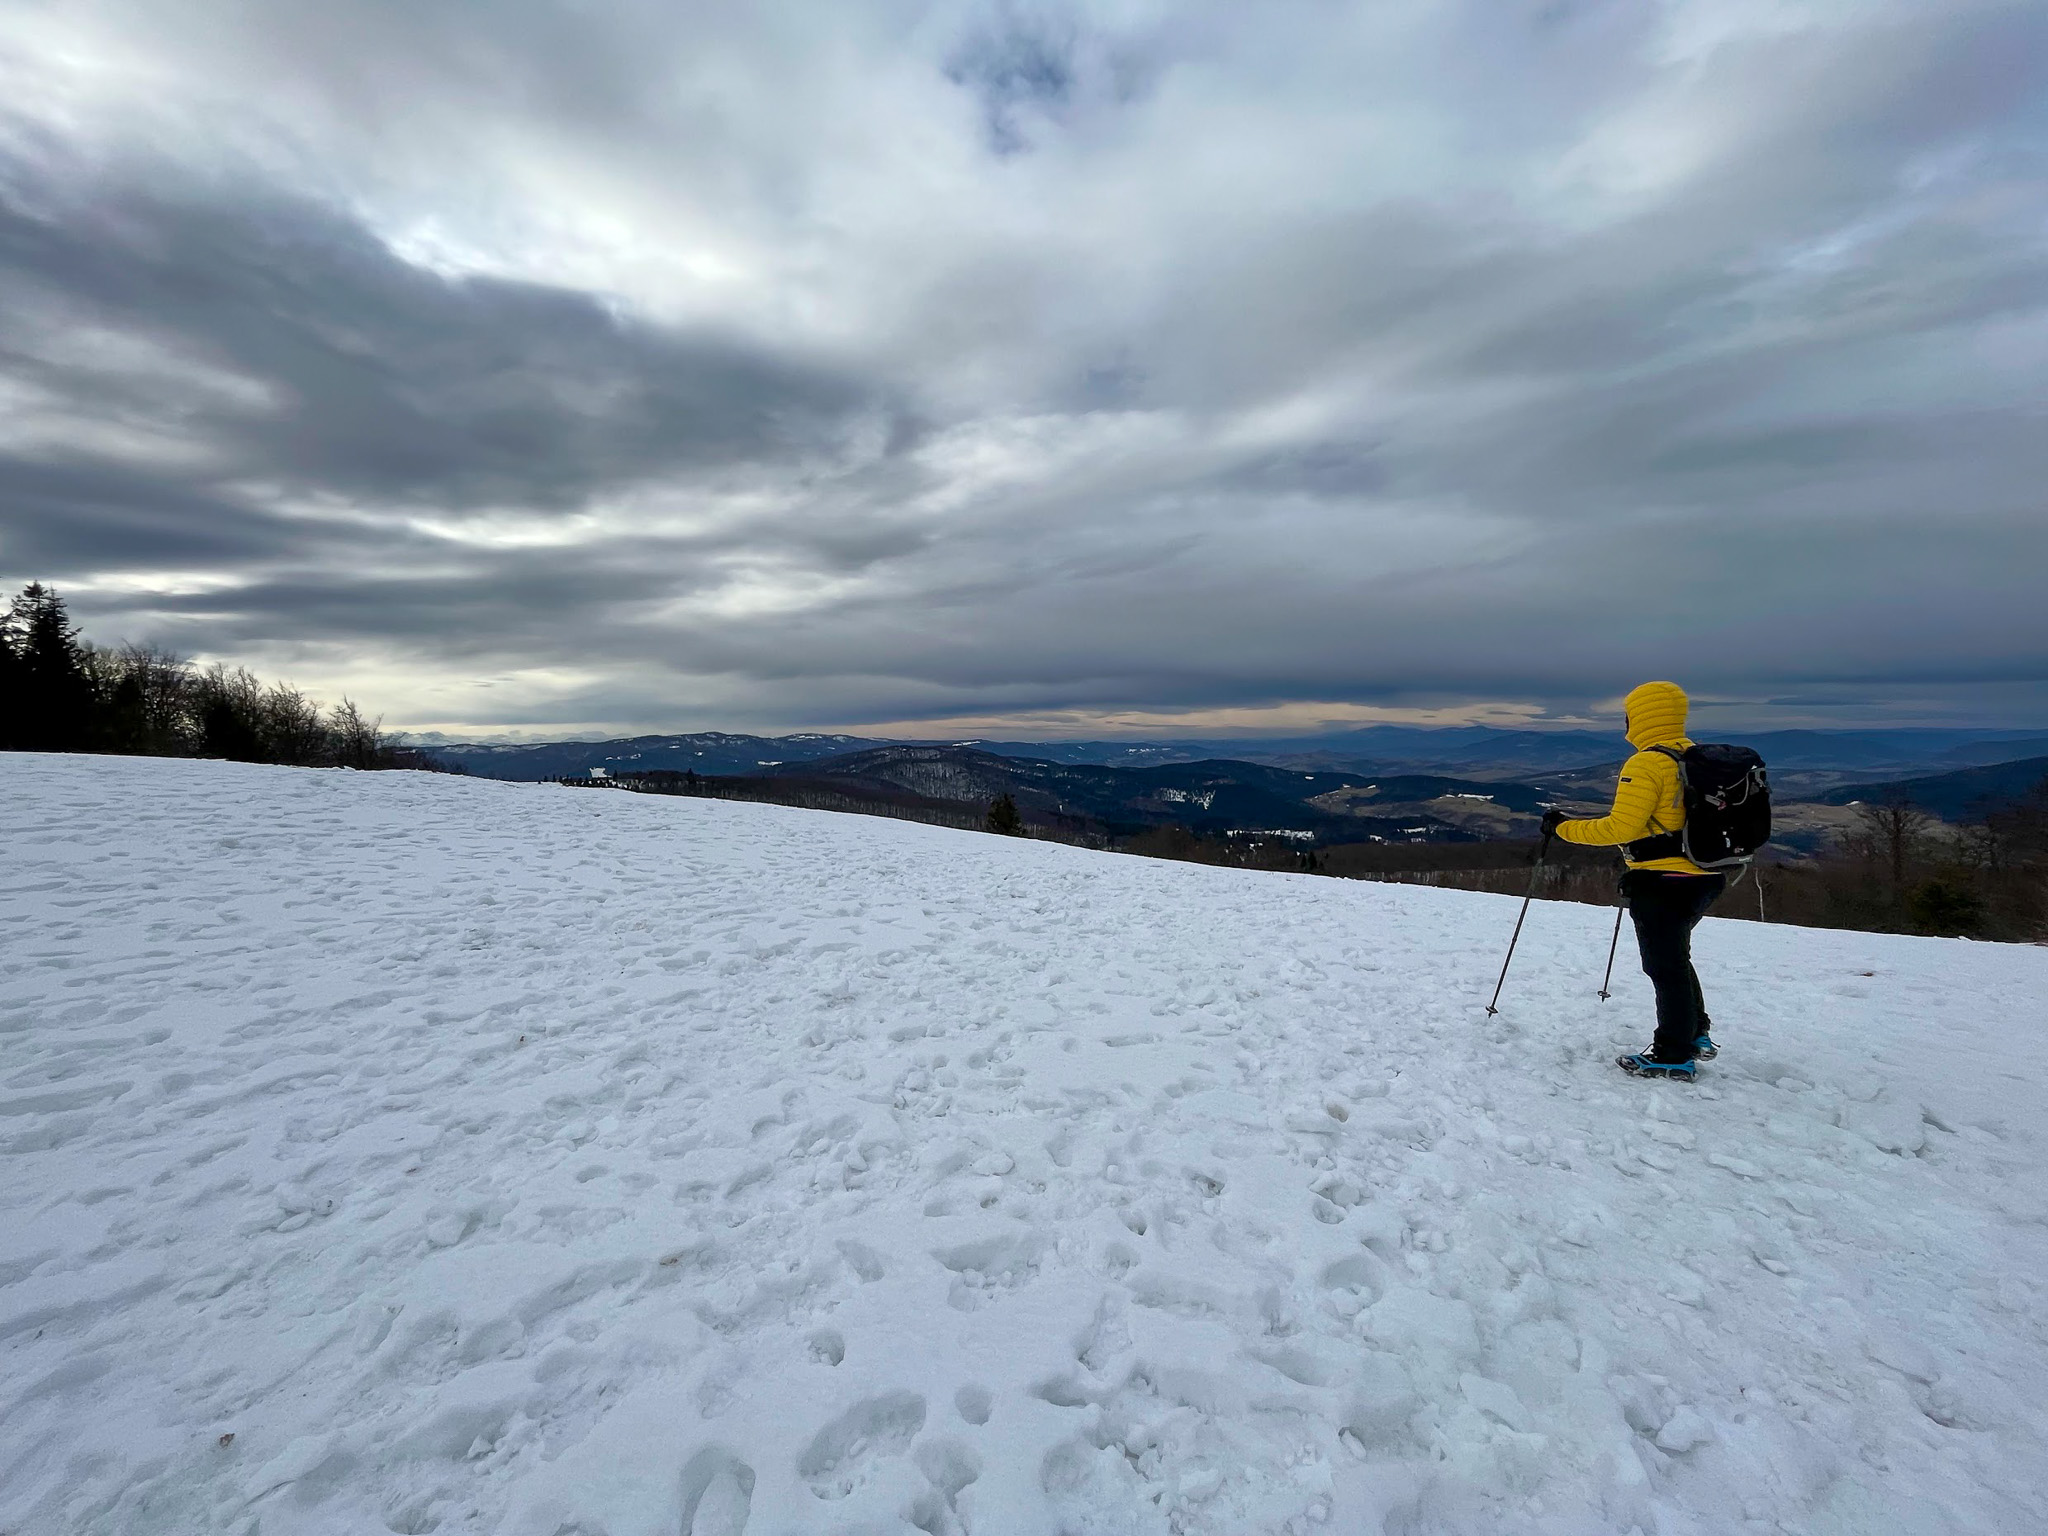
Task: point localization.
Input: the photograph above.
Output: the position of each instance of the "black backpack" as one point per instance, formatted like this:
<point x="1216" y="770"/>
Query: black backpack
<point x="1727" y="808"/>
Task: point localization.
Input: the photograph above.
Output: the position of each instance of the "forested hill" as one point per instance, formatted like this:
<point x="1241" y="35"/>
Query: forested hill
<point x="1466" y="752"/>
<point x="718" y="752"/>
<point x="1952" y="796"/>
<point x="1214" y="796"/>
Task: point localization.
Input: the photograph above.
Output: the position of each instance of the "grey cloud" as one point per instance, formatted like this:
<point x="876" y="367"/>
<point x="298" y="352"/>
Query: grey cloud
<point x="1117" y="409"/>
<point x="1034" y="66"/>
<point x="1020" y="61"/>
<point x="388" y="381"/>
<point x="465" y="611"/>
<point x="1309" y="469"/>
<point x="70" y="517"/>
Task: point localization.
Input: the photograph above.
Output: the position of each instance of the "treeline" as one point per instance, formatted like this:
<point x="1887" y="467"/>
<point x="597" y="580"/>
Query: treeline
<point x="1269" y="851"/>
<point x="1898" y="870"/>
<point x="863" y="797"/>
<point x="62" y="693"/>
<point x="812" y="794"/>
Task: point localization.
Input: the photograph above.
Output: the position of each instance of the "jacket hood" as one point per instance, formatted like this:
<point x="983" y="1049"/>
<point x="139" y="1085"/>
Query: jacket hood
<point x="1656" y="714"/>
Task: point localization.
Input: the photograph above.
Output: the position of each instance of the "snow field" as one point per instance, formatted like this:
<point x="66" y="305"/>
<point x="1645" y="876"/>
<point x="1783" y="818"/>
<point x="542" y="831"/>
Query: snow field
<point x="397" y="1153"/>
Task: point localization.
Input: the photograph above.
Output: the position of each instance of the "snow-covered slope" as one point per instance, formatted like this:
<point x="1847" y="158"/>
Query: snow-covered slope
<point x="388" y="1152"/>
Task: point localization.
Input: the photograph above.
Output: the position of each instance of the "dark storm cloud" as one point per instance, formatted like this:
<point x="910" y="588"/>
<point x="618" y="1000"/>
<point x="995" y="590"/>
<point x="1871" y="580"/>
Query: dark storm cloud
<point x="70" y="517"/>
<point x="379" y="379"/>
<point x="810" y="365"/>
<point x="530" y="595"/>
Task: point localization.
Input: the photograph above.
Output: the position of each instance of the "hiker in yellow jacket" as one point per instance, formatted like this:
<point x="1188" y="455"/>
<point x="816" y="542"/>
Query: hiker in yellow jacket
<point x="1667" y="893"/>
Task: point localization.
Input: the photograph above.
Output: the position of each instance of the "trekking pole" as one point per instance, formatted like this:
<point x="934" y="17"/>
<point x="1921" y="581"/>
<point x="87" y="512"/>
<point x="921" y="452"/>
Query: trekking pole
<point x="1612" y="944"/>
<point x="1620" y="906"/>
<point x="1535" y="874"/>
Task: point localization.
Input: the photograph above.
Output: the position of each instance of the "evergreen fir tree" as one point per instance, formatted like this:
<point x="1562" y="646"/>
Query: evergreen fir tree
<point x="1003" y="817"/>
<point x="54" y="704"/>
<point x="13" y="684"/>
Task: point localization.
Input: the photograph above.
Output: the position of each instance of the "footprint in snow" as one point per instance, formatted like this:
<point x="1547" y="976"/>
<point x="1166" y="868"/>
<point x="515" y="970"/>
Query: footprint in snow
<point x="862" y="1260"/>
<point x="718" y="1494"/>
<point x="827" y="1346"/>
<point x="837" y="1459"/>
<point x="949" y="1467"/>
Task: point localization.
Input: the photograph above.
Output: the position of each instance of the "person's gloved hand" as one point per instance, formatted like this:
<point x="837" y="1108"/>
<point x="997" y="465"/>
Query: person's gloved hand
<point x="1551" y="820"/>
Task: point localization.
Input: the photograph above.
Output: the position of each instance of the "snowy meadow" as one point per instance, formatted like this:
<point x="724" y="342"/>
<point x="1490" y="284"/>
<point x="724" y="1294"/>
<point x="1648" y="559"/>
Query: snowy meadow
<point x="392" y="1152"/>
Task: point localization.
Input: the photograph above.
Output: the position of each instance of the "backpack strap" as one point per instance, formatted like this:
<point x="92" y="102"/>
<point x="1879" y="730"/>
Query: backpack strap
<point x="1674" y="754"/>
<point x="1660" y="845"/>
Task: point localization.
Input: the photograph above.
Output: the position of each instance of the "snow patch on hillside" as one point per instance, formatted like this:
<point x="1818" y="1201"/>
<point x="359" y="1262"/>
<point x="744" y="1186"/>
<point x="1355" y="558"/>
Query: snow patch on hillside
<point x="390" y="1152"/>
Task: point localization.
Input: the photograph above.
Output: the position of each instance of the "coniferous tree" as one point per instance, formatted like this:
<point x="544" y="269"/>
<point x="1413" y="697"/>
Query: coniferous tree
<point x="1003" y="817"/>
<point x="13" y="684"/>
<point x="54" y="694"/>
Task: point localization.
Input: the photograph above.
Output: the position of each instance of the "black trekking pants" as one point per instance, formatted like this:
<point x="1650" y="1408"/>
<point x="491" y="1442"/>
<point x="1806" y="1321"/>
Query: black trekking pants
<point x="1666" y="908"/>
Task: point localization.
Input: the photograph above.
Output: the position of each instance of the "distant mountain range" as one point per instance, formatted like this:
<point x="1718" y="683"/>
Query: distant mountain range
<point x="1951" y="796"/>
<point x="1221" y="798"/>
<point x="706" y="752"/>
<point x="1213" y="797"/>
<point x="1473" y="752"/>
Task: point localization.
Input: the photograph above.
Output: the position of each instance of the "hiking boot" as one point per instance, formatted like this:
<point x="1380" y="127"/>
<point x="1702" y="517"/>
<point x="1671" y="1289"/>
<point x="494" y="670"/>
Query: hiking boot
<point x="1704" y="1049"/>
<point x="1643" y="1064"/>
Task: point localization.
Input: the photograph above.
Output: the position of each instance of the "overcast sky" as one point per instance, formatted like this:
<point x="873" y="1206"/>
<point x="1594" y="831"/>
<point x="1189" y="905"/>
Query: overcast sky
<point x="1038" y="368"/>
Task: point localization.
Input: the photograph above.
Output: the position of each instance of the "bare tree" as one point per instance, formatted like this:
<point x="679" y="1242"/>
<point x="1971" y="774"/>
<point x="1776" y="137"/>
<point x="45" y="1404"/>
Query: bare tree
<point x="2010" y="834"/>
<point x="292" y="727"/>
<point x="357" y="742"/>
<point x="142" y="698"/>
<point x="160" y="682"/>
<point x="228" y="706"/>
<point x="1896" y="828"/>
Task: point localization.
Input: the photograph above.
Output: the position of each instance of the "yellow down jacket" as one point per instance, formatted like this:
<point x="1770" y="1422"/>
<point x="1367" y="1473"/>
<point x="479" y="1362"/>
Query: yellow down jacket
<point x="1650" y="796"/>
